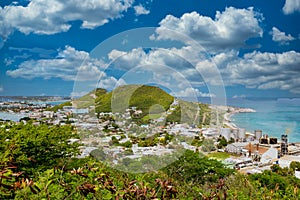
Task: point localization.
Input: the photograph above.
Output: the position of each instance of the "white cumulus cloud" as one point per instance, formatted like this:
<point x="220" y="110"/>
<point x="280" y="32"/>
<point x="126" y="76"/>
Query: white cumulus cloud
<point x="262" y="70"/>
<point x="171" y="66"/>
<point x="265" y="71"/>
<point x="66" y="65"/>
<point x="192" y="92"/>
<point x="281" y="37"/>
<point x="50" y="17"/>
<point x="141" y="10"/>
<point x="291" y="6"/>
<point x="229" y="29"/>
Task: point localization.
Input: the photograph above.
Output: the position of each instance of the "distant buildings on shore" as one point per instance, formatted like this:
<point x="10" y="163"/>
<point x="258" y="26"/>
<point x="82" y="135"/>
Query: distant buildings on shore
<point x="254" y="151"/>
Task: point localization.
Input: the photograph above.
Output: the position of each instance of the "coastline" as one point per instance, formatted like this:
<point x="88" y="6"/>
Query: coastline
<point x="232" y="111"/>
<point x="11" y="116"/>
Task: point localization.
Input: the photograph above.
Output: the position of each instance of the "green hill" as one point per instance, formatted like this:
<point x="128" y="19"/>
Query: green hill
<point x="89" y="99"/>
<point x="151" y="100"/>
<point x="82" y="102"/>
<point x="60" y="106"/>
<point x="142" y="97"/>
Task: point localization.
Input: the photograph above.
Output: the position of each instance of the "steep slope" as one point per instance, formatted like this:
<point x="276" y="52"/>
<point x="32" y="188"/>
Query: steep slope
<point x="142" y="97"/>
<point x="151" y="100"/>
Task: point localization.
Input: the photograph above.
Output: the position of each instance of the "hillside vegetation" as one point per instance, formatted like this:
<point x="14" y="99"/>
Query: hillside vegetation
<point x="82" y="102"/>
<point x="151" y="100"/>
<point x="60" y="106"/>
<point x="37" y="162"/>
<point x="142" y="97"/>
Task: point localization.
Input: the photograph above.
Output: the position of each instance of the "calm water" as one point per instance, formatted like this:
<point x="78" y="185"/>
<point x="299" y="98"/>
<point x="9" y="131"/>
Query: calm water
<point x="11" y="116"/>
<point x="16" y="116"/>
<point x="273" y="116"/>
<point x="48" y="102"/>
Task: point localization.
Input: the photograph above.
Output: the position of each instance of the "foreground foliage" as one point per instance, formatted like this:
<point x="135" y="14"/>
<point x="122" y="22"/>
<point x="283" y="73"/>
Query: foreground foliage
<point x="37" y="162"/>
<point x="26" y="150"/>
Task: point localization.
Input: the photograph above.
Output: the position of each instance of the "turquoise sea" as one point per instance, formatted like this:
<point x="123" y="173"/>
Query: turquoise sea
<point x="17" y="116"/>
<point x="273" y="116"/>
<point x="11" y="116"/>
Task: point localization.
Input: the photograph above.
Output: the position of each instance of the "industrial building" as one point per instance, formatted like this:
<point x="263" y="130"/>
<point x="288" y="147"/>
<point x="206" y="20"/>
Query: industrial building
<point x="236" y="134"/>
<point x="284" y="144"/>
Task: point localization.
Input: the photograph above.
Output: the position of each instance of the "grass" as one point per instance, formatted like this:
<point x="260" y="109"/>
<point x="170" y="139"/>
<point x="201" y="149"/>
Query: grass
<point x="143" y="97"/>
<point x="151" y="116"/>
<point x="218" y="155"/>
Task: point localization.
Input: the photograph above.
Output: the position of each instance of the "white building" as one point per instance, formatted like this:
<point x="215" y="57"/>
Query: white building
<point x="48" y="114"/>
<point x="286" y="160"/>
<point x="269" y="156"/>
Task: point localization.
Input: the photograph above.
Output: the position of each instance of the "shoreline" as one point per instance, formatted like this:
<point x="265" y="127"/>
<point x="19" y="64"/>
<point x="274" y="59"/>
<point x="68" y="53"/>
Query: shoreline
<point x="232" y="111"/>
<point x="12" y="116"/>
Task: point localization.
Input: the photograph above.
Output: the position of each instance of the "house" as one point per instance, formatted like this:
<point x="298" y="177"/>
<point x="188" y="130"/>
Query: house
<point x="48" y="114"/>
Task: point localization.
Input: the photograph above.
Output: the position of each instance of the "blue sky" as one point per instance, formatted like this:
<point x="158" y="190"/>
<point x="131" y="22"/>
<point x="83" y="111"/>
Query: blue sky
<point x="204" y="48"/>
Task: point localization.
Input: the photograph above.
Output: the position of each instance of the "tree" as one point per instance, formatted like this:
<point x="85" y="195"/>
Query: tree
<point x="222" y="142"/>
<point x="275" y="168"/>
<point x="28" y="150"/>
<point x="193" y="168"/>
<point x="295" y="166"/>
<point x="208" y="145"/>
<point x="32" y="148"/>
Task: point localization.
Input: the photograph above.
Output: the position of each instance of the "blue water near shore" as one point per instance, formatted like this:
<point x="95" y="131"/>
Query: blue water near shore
<point x="11" y="116"/>
<point x="48" y="102"/>
<point x="17" y="116"/>
<point x="273" y="116"/>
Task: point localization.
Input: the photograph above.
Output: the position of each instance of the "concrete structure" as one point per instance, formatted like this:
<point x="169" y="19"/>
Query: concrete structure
<point x="210" y="133"/>
<point x="255" y="149"/>
<point x="269" y="156"/>
<point x="293" y="149"/>
<point x="235" y="133"/>
<point x="240" y="162"/>
<point x="226" y="133"/>
<point x="258" y="134"/>
<point x="284" y="144"/>
<point x="48" y="114"/>
<point x="235" y="147"/>
<point x="286" y="160"/>
<point x="242" y="134"/>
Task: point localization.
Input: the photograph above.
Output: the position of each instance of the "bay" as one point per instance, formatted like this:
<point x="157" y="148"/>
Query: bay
<point x="273" y="116"/>
<point x="11" y="116"/>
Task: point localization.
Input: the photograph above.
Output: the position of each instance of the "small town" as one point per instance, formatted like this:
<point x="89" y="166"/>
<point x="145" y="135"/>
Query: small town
<point x="119" y="136"/>
<point x="152" y="99"/>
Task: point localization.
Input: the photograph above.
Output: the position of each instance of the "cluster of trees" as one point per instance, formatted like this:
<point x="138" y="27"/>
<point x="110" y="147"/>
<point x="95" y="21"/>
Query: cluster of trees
<point x="39" y="162"/>
<point x="115" y="141"/>
<point x="26" y="150"/>
<point x="140" y="96"/>
<point x="162" y="138"/>
<point x="186" y="112"/>
<point x="222" y="142"/>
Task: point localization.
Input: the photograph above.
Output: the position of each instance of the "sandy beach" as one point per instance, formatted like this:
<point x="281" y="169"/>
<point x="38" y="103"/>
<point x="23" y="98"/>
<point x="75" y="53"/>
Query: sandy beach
<point x="232" y="111"/>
